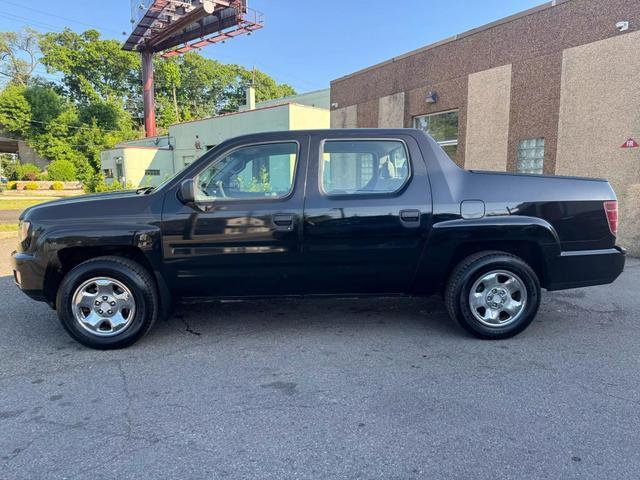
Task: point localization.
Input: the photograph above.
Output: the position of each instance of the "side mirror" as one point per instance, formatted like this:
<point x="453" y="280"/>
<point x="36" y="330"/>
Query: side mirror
<point x="188" y="191"/>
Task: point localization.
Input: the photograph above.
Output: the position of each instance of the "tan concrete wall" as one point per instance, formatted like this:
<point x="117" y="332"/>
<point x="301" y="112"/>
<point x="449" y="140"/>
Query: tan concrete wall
<point x="29" y="155"/>
<point x="135" y="161"/>
<point x="391" y="111"/>
<point x="599" y="110"/>
<point x="346" y="117"/>
<point x="489" y="97"/>
<point x="213" y="131"/>
<point x="302" y="117"/>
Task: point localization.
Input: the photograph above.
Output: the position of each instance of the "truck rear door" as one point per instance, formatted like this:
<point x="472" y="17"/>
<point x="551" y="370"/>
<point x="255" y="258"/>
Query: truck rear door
<point x="366" y="215"/>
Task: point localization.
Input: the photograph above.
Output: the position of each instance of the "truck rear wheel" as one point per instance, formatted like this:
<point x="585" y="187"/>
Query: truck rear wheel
<point x="493" y="294"/>
<point x="107" y="302"/>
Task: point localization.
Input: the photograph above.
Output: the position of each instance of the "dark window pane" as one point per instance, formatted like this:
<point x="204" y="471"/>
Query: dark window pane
<point x="451" y="150"/>
<point x="443" y="127"/>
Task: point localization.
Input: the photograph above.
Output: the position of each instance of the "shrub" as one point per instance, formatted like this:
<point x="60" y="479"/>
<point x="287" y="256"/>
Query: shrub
<point x="62" y="170"/>
<point x="95" y="183"/>
<point x="57" y="186"/>
<point x="31" y="186"/>
<point x="29" y="171"/>
<point x="43" y="177"/>
<point x="12" y="185"/>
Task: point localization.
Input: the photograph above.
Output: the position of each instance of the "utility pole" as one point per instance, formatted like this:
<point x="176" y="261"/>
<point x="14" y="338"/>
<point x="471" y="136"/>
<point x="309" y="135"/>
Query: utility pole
<point x="175" y="104"/>
<point x="148" y="94"/>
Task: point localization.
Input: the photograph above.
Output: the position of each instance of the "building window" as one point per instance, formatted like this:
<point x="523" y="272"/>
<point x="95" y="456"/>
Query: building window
<point x="531" y="156"/>
<point x="119" y="171"/>
<point x="108" y="173"/>
<point x="363" y="167"/>
<point x="443" y="127"/>
<point x="152" y="172"/>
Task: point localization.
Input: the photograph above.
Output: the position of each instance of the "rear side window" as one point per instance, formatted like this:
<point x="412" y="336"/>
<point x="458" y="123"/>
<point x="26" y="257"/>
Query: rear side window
<point x="363" y="167"/>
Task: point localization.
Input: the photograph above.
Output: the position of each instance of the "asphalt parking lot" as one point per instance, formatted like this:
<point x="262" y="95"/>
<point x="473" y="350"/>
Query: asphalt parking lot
<point x="321" y="389"/>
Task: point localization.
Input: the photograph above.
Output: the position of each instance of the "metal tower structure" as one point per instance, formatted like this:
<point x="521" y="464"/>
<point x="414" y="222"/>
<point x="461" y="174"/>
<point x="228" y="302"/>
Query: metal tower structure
<point x="173" y="27"/>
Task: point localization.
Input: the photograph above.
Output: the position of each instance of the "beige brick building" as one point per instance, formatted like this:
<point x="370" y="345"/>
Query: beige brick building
<point x="554" y="90"/>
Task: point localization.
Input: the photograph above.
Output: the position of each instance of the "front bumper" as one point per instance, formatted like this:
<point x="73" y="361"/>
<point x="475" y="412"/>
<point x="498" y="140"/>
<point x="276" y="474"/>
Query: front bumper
<point x="585" y="268"/>
<point x="28" y="274"/>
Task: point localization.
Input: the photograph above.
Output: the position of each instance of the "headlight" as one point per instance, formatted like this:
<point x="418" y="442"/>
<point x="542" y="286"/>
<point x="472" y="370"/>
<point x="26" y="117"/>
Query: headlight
<point x="24" y="230"/>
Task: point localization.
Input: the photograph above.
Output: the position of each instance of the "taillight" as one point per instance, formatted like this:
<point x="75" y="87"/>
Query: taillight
<point x="611" y="209"/>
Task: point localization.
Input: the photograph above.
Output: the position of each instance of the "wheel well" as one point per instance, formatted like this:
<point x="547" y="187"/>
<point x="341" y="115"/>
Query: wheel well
<point x="68" y="258"/>
<point x="530" y="252"/>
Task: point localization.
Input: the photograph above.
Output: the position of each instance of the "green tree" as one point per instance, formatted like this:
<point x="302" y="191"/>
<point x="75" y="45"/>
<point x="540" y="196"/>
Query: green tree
<point x="15" y="111"/>
<point x="92" y="68"/>
<point x="18" y="55"/>
<point x="61" y="141"/>
<point x="45" y="105"/>
<point x="9" y="165"/>
<point x="266" y="88"/>
<point x="204" y="87"/>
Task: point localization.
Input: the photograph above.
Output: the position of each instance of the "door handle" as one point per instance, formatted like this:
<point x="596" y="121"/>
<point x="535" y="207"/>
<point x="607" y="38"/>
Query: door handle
<point x="283" y="221"/>
<point x="410" y="218"/>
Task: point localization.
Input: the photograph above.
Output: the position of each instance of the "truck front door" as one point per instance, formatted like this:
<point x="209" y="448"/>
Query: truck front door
<point x="367" y="213"/>
<point x="242" y="234"/>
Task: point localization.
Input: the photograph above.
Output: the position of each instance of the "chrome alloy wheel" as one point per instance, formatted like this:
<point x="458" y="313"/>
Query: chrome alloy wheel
<point x="498" y="298"/>
<point x="103" y="306"/>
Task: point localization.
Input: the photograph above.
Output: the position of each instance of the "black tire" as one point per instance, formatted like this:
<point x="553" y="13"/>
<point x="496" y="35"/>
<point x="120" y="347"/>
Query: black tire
<point x="474" y="267"/>
<point x="131" y="274"/>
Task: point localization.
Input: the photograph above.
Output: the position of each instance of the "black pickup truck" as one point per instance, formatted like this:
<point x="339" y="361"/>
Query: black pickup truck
<point x="327" y="212"/>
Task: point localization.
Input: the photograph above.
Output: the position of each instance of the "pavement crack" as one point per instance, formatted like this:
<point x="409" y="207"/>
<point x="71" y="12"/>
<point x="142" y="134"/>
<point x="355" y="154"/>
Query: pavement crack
<point x="188" y="328"/>
<point x="125" y="388"/>
<point x="610" y="395"/>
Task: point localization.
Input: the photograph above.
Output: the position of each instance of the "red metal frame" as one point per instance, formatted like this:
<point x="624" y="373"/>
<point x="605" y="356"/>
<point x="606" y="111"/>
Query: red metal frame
<point x="244" y="27"/>
<point x="173" y="27"/>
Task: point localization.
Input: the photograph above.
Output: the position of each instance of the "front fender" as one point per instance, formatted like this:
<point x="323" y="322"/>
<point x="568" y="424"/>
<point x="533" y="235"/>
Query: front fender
<point x="50" y="245"/>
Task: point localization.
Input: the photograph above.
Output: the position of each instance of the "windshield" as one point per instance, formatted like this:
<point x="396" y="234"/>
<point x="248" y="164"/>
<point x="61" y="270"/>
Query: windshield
<point x="167" y="180"/>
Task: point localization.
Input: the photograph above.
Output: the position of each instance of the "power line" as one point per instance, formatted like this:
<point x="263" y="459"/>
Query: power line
<point x="49" y="14"/>
<point x="78" y="127"/>
<point x="29" y="22"/>
<point x="53" y="28"/>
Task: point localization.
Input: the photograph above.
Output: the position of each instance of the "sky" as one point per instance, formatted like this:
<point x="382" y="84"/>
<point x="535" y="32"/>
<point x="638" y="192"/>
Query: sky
<point x="306" y="43"/>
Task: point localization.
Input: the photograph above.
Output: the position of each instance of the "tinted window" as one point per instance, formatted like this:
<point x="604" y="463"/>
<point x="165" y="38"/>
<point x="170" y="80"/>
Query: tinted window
<point x="257" y="171"/>
<point x="363" y="167"/>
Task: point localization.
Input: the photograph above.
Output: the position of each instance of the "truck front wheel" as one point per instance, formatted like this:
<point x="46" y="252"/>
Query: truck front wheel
<point x="107" y="302"/>
<point x="493" y="294"/>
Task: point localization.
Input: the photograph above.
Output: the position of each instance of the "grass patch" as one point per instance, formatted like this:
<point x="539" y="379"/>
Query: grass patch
<point x="8" y="227"/>
<point x="19" y="204"/>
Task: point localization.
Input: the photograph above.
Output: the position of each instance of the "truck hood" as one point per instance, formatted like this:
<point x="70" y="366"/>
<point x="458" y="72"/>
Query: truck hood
<point x="78" y="204"/>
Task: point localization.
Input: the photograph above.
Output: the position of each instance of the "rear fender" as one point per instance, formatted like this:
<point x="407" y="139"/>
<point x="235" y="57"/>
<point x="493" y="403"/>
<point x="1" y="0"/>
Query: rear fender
<point x="492" y="233"/>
